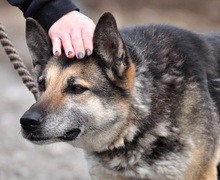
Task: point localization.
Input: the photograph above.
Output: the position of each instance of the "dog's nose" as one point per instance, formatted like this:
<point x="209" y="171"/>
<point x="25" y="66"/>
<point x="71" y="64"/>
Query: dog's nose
<point x="30" y="121"/>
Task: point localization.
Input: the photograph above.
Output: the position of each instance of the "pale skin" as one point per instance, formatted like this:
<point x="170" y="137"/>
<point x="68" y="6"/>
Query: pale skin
<point x="73" y="32"/>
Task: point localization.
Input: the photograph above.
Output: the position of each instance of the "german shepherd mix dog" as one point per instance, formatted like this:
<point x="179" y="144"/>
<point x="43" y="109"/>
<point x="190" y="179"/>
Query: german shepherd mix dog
<point x="144" y="105"/>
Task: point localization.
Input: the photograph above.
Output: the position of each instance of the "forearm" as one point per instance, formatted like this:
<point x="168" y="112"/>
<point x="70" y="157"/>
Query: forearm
<point x="46" y="12"/>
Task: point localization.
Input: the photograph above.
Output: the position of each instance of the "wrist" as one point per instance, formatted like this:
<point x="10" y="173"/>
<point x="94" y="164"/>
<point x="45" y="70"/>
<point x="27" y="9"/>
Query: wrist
<point x="53" y="11"/>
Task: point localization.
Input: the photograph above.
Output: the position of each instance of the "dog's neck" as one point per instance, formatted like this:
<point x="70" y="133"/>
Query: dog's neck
<point x="126" y="158"/>
<point x="142" y="136"/>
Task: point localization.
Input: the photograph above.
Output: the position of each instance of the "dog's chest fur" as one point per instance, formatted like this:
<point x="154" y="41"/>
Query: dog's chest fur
<point x="147" y="160"/>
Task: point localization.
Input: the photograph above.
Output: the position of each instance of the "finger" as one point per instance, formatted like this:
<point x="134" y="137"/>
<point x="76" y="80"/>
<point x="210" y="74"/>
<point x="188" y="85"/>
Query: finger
<point x="87" y="36"/>
<point x="67" y="45"/>
<point x="88" y="44"/>
<point x="56" y="43"/>
<point x="78" y="46"/>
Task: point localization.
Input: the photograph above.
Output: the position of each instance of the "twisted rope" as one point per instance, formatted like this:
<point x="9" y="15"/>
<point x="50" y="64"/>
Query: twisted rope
<point x="17" y="62"/>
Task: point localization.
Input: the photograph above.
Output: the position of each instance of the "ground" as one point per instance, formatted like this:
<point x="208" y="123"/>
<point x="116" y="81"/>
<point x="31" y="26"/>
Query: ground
<point x="21" y="160"/>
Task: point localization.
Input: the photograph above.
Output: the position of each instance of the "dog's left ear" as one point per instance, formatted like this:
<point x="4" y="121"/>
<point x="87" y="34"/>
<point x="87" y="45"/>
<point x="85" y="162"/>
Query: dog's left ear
<point x="39" y="45"/>
<point x="109" y="45"/>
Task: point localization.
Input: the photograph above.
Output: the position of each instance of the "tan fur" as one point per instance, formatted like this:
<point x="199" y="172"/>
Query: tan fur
<point x="130" y="76"/>
<point x="207" y="171"/>
<point x="53" y="89"/>
<point x="194" y="169"/>
<point x="198" y="168"/>
<point x="211" y="172"/>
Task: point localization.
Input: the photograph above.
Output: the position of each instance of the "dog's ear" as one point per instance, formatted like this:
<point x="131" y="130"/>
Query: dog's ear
<point x="39" y="45"/>
<point x="109" y="45"/>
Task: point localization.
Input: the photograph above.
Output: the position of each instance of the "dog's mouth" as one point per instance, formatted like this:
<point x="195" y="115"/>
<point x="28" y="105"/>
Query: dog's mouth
<point x="68" y="136"/>
<point x="71" y="135"/>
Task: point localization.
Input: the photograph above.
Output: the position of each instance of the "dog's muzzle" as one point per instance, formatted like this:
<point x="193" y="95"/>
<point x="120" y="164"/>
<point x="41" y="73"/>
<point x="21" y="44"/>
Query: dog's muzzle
<point x="30" y="123"/>
<point x="71" y="135"/>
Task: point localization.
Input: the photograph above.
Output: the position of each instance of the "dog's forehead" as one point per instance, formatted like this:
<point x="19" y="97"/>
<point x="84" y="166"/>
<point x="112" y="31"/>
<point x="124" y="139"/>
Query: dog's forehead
<point x="64" y="68"/>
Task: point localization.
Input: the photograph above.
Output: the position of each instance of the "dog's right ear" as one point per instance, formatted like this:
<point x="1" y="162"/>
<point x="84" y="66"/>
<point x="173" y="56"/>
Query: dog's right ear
<point x="39" y="45"/>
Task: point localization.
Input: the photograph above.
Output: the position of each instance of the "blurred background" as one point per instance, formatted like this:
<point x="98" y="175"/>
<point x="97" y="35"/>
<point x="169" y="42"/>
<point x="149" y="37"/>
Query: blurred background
<point x="21" y="160"/>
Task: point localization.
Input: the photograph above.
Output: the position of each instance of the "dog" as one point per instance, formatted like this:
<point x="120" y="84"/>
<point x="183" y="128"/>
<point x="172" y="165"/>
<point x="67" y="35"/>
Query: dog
<point x="144" y="105"/>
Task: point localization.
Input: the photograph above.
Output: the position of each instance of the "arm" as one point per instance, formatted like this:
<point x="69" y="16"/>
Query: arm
<point x="46" y="12"/>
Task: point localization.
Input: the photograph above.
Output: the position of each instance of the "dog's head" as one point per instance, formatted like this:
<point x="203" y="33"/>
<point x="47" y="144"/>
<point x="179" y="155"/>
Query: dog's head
<point x="83" y="102"/>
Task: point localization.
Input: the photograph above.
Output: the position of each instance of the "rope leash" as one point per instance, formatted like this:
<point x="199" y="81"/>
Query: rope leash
<point x="17" y="62"/>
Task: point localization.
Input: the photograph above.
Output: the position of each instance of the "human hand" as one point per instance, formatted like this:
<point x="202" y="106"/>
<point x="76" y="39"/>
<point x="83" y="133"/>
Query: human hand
<point x="74" y="33"/>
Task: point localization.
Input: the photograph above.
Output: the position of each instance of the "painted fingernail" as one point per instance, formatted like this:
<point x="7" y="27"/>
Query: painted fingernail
<point x="88" y="52"/>
<point x="57" y="53"/>
<point x="80" y="55"/>
<point x="69" y="53"/>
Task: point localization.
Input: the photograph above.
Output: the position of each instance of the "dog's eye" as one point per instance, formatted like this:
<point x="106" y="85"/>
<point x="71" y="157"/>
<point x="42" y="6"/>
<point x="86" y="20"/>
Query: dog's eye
<point x="76" y="89"/>
<point x="41" y="85"/>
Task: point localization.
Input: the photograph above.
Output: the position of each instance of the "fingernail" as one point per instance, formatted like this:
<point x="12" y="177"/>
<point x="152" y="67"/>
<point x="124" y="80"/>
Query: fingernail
<point x="69" y="53"/>
<point x="57" y="53"/>
<point x="88" y="52"/>
<point x="80" y="55"/>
